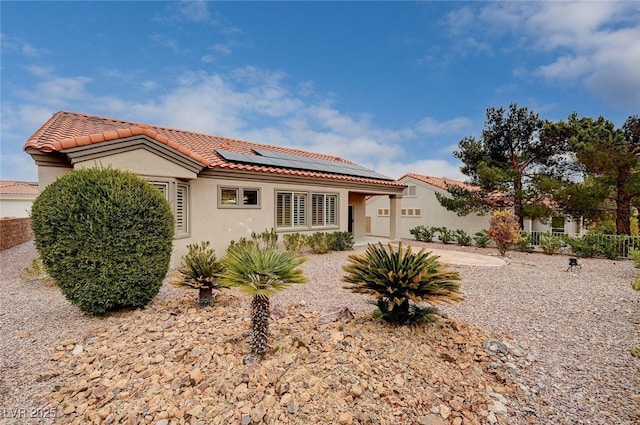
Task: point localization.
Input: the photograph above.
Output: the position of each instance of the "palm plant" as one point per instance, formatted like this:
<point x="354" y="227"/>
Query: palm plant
<point x="401" y="280"/>
<point x="261" y="272"/>
<point x="200" y="269"/>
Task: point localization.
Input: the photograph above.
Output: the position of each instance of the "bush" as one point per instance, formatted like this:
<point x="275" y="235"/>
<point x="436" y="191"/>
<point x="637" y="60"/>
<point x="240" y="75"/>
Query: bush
<point x="200" y="269"/>
<point x="504" y="229"/>
<point x="423" y="233"/>
<point x="550" y="244"/>
<point x="36" y="271"/>
<point x="634" y="255"/>
<point x="320" y="242"/>
<point x="462" y="238"/>
<point x="595" y="244"/>
<point x="342" y="241"/>
<point x="446" y="236"/>
<point x="525" y="243"/>
<point x="105" y="236"/>
<point x="401" y="278"/>
<point x="635" y="285"/>
<point x="295" y="242"/>
<point x="482" y="238"/>
<point x="268" y="239"/>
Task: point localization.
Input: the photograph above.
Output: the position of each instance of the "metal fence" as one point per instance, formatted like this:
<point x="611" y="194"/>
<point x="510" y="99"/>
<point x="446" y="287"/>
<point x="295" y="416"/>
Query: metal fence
<point x="620" y="245"/>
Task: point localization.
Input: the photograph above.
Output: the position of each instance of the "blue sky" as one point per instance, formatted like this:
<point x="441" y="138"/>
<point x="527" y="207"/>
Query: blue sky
<point x="393" y="86"/>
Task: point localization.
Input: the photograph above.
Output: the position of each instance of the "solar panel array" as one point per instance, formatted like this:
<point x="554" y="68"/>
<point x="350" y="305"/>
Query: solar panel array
<point x="283" y="160"/>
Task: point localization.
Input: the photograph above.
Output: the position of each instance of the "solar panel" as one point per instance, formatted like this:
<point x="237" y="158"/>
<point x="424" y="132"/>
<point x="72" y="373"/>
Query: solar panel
<point x="278" y="159"/>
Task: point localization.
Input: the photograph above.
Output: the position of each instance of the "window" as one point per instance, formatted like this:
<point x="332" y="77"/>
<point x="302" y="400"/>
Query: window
<point x="304" y="210"/>
<point x="238" y="197"/>
<point x="409" y="191"/>
<point x="291" y="209"/>
<point x="324" y="210"/>
<point x="383" y="212"/>
<point x="411" y="212"/>
<point x="557" y="224"/>
<point x="177" y="194"/>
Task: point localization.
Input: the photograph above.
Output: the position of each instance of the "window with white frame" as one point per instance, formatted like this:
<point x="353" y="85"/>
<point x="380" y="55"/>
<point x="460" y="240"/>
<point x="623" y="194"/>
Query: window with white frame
<point x="324" y="209"/>
<point x="291" y="209"/>
<point x="409" y="191"/>
<point x="238" y="197"/>
<point x="305" y="210"/>
<point x="177" y="193"/>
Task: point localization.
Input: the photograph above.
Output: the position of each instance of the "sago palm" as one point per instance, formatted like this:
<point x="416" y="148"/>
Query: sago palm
<point x="261" y="272"/>
<point x="401" y="279"/>
<point x="200" y="269"/>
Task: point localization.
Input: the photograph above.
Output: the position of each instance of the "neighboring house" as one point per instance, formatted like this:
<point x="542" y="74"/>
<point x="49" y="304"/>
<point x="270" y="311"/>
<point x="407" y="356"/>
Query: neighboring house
<point x="220" y="189"/>
<point x="16" y="198"/>
<point x="419" y="206"/>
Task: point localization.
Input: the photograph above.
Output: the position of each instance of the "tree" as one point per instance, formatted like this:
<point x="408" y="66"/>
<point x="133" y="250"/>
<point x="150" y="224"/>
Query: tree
<point x="503" y="166"/>
<point x="606" y="168"/>
<point x="105" y="236"/>
<point x="260" y="272"/>
<point x="504" y="230"/>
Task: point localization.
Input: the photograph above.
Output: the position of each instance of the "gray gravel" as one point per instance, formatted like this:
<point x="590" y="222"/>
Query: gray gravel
<point x="576" y="328"/>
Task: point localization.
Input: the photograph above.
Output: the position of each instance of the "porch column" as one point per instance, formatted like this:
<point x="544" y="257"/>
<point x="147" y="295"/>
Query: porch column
<point x="394" y="217"/>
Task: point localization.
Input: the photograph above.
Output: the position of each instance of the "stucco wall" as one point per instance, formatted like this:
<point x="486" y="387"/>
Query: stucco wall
<point x="15" y="207"/>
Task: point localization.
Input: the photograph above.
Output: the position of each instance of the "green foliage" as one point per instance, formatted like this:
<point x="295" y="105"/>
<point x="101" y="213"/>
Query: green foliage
<point x="36" y="271"/>
<point x="551" y="244"/>
<point x="320" y="242"/>
<point x="260" y="272"/>
<point x="501" y="161"/>
<point x="342" y="241"/>
<point x="423" y="233"/>
<point x="401" y="279"/>
<point x="504" y="230"/>
<point x="295" y="242"/>
<point x="462" y="238"/>
<point x="105" y="236"/>
<point x="635" y="285"/>
<point x="525" y="243"/>
<point x="482" y="238"/>
<point x="445" y="235"/>
<point x="634" y="254"/>
<point x="635" y="352"/>
<point x="200" y="270"/>
<point x="599" y="245"/>
<point x="586" y="246"/>
<point x="268" y="239"/>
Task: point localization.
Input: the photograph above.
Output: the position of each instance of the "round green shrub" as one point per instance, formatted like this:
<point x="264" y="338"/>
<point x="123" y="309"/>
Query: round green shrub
<point x="105" y="236"/>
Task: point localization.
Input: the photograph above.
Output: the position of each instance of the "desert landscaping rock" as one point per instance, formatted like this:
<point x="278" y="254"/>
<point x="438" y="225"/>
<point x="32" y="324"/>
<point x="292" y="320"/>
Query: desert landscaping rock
<point x="174" y="363"/>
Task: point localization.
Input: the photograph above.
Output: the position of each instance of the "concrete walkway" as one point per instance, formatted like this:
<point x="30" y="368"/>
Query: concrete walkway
<point x="446" y="256"/>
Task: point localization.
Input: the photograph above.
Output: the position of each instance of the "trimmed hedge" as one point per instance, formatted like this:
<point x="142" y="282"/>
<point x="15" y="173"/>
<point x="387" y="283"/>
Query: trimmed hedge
<point x="105" y="236"/>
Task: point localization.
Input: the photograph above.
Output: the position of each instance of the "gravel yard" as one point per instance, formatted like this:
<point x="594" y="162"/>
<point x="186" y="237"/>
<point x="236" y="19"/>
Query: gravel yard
<point x="575" y="328"/>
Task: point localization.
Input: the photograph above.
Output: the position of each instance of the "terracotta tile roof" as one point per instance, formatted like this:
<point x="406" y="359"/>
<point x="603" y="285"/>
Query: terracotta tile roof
<point x="439" y="182"/>
<point x="10" y="187"/>
<point x="65" y="130"/>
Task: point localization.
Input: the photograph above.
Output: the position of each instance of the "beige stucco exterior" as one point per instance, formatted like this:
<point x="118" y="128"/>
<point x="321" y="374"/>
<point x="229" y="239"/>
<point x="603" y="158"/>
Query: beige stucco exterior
<point x="18" y="206"/>
<point x="207" y="219"/>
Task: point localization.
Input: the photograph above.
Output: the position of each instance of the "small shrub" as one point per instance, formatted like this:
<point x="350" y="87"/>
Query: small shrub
<point x="635" y="352"/>
<point x="400" y="279"/>
<point x="482" y="238"/>
<point x="550" y="244"/>
<point x="445" y="235"/>
<point x="634" y="255"/>
<point x="268" y="239"/>
<point x="342" y="241"/>
<point x="525" y="243"/>
<point x="295" y="242"/>
<point x="586" y="246"/>
<point x="200" y="269"/>
<point x="320" y="242"/>
<point x="36" y="271"/>
<point x="423" y="233"/>
<point x="462" y="238"/>
<point x="635" y="285"/>
<point x="504" y="229"/>
<point x="105" y="236"/>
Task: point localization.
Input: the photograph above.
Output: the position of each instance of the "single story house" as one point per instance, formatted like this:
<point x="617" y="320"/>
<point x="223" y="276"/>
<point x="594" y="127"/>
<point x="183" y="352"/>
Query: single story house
<point x="220" y="189"/>
<point x="419" y="206"/>
<point x="16" y="198"/>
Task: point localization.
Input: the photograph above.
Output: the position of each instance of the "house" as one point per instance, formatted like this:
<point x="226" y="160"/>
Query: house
<point x="419" y="206"/>
<point x="220" y="189"/>
<point x="16" y="198"/>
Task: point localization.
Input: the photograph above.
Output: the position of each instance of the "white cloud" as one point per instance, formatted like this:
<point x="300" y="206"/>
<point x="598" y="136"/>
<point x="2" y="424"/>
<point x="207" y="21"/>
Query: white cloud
<point x="427" y="167"/>
<point x="592" y="43"/>
<point x="429" y="125"/>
